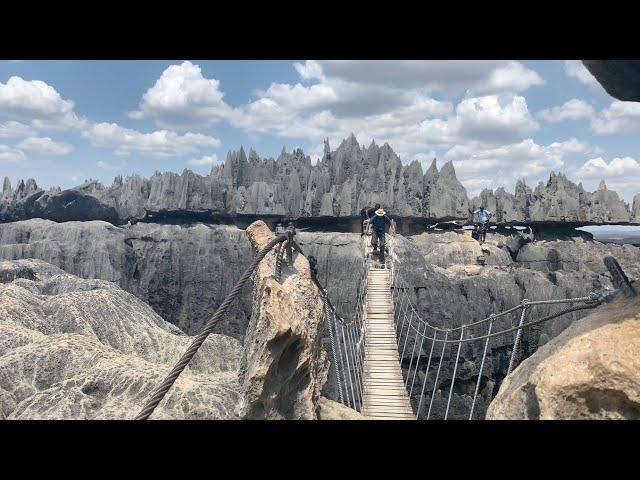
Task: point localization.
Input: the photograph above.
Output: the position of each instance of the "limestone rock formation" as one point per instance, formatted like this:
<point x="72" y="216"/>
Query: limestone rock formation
<point x="330" y="410"/>
<point x="447" y="196"/>
<point x="635" y="212"/>
<point x="182" y="272"/>
<point x="339" y="184"/>
<point x="589" y="371"/>
<point x="283" y="365"/>
<point x="77" y="349"/>
<point x="449" y="288"/>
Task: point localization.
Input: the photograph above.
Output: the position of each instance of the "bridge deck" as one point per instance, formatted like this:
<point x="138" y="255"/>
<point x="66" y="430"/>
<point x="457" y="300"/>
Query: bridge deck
<point x="385" y="396"/>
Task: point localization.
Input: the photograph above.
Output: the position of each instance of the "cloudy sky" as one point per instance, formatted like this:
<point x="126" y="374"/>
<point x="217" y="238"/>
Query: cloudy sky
<point x="62" y="122"/>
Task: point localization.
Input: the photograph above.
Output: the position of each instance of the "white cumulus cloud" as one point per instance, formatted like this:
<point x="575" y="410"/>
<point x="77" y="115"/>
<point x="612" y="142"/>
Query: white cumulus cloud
<point x="45" y="145"/>
<point x="13" y="129"/>
<point x="37" y="102"/>
<point x="479" y="166"/>
<point x="182" y="98"/>
<point x="160" y="143"/>
<point x="11" y="155"/>
<point x="206" y="160"/>
<point x="621" y="174"/>
<point x="619" y="117"/>
<point x="573" y="109"/>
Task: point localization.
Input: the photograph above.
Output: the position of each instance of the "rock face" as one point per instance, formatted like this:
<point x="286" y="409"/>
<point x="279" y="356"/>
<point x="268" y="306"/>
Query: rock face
<point x="339" y="185"/>
<point x="184" y="272"/>
<point x="72" y="348"/>
<point x="589" y="371"/>
<point x="449" y="288"/>
<point x="620" y="78"/>
<point x="283" y="367"/>
<point x="635" y="212"/>
<point x="560" y="200"/>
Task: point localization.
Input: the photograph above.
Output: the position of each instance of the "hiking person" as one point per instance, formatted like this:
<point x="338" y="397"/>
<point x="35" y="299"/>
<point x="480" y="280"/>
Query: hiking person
<point x="379" y="222"/>
<point x="483" y="219"/>
<point x="365" y="214"/>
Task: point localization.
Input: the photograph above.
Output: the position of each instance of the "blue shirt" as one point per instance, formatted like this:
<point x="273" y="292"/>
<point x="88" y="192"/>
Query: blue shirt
<point x="483" y="215"/>
<point x="379" y="223"/>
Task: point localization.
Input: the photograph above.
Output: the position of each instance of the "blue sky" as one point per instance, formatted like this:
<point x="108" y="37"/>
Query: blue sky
<point x="62" y="122"/>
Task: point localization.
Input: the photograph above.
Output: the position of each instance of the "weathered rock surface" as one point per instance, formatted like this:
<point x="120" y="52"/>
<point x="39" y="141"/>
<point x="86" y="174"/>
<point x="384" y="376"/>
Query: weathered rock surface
<point x="450" y="289"/>
<point x="185" y="271"/>
<point x="620" y="78"/>
<point x="589" y="371"/>
<point x="330" y="410"/>
<point x="75" y="348"/>
<point x="283" y="366"/>
<point x="559" y="200"/>
<point x="339" y="185"/>
<point x="635" y="212"/>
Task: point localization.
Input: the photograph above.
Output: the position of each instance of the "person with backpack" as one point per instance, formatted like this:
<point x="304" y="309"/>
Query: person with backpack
<point x="379" y="223"/>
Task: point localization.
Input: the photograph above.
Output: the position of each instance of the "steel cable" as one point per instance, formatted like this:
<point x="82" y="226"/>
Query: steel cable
<point x="162" y="389"/>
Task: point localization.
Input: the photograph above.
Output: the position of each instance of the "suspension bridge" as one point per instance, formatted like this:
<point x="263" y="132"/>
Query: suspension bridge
<point x="379" y="356"/>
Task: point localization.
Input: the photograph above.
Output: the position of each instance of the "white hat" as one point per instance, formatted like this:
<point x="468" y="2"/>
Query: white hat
<point x="380" y="212"/>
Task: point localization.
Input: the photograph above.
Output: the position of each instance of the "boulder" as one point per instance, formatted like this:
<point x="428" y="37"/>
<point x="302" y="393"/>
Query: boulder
<point x="283" y="365"/>
<point x="591" y="371"/>
<point x="72" y="348"/>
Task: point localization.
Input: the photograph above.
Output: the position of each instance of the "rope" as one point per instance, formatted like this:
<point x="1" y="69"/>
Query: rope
<point x="162" y="389"/>
<point x="333" y="350"/>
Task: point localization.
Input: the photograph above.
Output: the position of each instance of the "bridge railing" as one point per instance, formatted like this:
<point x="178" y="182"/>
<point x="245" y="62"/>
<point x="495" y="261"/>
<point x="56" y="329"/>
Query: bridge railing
<point x="347" y="339"/>
<point x="423" y="345"/>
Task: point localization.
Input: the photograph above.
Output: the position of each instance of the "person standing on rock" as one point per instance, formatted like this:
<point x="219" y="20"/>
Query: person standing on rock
<point x="379" y="223"/>
<point x="483" y="223"/>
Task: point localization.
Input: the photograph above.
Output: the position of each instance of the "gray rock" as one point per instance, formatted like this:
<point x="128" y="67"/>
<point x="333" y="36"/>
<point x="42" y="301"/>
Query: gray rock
<point x="588" y="372"/>
<point x="340" y="184"/>
<point x="73" y="348"/>
<point x="635" y="213"/>
<point x="620" y="78"/>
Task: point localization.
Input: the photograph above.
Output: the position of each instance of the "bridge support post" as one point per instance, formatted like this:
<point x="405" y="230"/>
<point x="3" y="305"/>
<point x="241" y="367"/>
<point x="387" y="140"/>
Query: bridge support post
<point x="455" y="370"/>
<point x="435" y="383"/>
<point x="484" y="355"/>
<point x="516" y="342"/>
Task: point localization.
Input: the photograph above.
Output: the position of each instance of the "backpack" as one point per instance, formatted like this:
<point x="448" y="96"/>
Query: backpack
<point x="475" y="234"/>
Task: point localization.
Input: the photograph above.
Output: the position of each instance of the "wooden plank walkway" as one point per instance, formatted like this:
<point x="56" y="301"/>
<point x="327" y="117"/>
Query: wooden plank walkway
<point x="385" y="396"/>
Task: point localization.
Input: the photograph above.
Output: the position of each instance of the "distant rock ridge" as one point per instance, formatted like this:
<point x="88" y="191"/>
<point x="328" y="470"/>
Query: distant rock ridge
<point x="338" y="185"/>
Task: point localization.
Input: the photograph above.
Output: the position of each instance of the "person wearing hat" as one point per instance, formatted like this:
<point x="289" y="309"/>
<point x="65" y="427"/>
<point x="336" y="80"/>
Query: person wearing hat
<point x="379" y="222"/>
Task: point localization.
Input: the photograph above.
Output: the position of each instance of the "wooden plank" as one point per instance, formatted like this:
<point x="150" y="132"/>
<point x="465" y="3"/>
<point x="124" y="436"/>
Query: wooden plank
<point x="384" y="394"/>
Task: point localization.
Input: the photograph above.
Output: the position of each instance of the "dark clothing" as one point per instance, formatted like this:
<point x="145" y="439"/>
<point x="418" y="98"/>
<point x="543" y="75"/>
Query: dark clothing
<point x="365" y="213"/>
<point x="378" y="237"/>
<point x="482" y="228"/>
<point x="379" y="223"/>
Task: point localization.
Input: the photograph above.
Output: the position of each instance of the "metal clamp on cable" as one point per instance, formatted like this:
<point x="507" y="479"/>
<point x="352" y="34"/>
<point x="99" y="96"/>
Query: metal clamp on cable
<point x="603" y="296"/>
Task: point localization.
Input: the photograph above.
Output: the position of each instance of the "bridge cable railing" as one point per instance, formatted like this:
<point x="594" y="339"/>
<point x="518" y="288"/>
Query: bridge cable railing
<point x="506" y="326"/>
<point x="346" y="336"/>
